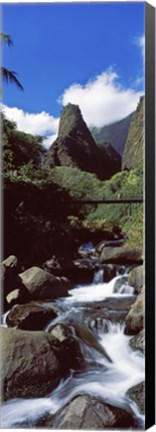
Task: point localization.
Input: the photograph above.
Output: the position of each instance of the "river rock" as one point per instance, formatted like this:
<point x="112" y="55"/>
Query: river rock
<point x="12" y="287"/>
<point x="88" y="337"/>
<point x="109" y="272"/>
<point x="10" y="280"/>
<point x="58" y="265"/>
<point x="30" y="316"/>
<point x="85" y="412"/>
<point x="112" y="308"/>
<point x="60" y="331"/>
<point x="135" y="318"/>
<point x="121" y="255"/>
<point x="77" y="271"/>
<point x="138" y="342"/>
<point x="18" y="296"/>
<point x="42" y="285"/>
<point x="86" y="263"/>
<point x="109" y="243"/>
<point x="135" y="278"/>
<point x="31" y="364"/>
<point x="137" y="394"/>
<point x="71" y="347"/>
<point x="84" y="270"/>
<point x="11" y="261"/>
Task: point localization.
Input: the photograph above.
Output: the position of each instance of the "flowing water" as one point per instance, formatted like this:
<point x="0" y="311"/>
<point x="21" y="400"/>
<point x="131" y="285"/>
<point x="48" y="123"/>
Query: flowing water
<point x="107" y="381"/>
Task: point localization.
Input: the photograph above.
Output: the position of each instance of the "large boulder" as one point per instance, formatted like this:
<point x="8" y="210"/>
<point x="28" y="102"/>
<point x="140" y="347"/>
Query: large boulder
<point x="30" y="316"/>
<point x="43" y="285"/>
<point x="135" y="318"/>
<point x="109" y="243"/>
<point x="13" y="290"/>
<point x="137" y="394"/>
<point x="136" y="278"/>
<point x="85" y="412"/>
<point x="31" y="363"/>
<point x="138" y="342"/>
<point x="121" y="255"/>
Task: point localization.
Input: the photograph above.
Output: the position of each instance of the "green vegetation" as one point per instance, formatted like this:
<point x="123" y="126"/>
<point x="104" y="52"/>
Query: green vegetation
<point x="117" y="216"/>
<point x="115" y="133"/>
<point x="19" y="148"/>
<point x="40" y="217"/>
<point x="133" y="151"/>
<point x="79" y="184"/>
<point x="106" y="217"/>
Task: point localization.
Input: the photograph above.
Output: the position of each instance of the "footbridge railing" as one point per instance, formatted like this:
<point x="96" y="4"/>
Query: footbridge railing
<point x="118" y="200"/>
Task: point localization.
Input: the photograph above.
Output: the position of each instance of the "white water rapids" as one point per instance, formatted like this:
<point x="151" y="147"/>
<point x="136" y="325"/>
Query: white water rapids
<point x="100" y="291"/>
<point x="105" y="381"/>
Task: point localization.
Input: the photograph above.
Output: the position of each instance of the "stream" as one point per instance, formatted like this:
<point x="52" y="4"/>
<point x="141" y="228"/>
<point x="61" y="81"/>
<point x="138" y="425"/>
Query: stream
<point x="105" y="380"/>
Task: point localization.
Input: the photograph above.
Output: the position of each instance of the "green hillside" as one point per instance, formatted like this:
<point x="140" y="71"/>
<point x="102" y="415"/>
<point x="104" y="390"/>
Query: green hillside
<point x="133" y="152"/>
<point x="115" y="133"/>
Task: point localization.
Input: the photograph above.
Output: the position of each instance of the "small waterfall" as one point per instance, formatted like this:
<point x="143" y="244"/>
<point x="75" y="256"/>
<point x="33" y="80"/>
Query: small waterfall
<point x="100" y="291"/>
<point x="98" y="276"/>
<point x="109" y="382"/>
<point x="99" y="378"/>
<point x="126" y="289"/>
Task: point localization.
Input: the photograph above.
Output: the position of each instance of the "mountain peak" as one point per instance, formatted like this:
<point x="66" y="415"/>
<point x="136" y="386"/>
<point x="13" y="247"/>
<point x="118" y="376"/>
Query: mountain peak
<point x="71" y="118"/>
<point x="76" y="147"/>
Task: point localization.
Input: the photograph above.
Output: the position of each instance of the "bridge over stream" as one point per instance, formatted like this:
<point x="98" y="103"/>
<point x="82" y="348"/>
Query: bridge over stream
<point x="128" y="200"/>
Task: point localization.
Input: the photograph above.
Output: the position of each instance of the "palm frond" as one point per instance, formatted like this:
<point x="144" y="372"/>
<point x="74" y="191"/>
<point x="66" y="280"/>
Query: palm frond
<point x="10" y="76"/>
<point x="6" y="38"/>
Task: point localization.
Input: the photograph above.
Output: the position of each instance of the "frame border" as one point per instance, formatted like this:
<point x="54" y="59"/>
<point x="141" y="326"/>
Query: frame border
<point x="150" y="215"/>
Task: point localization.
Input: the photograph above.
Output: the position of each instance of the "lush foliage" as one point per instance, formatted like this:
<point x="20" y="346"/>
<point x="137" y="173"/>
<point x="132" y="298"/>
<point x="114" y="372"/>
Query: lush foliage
<point x="134" y="148"/>
<point x="40" y="215"/>
<point x="115" y="133"/>
<point x="113" y="216"/>
<point x="80" y="184"/>
<point x="106" y="217"/>
<point x="19" y="147"/>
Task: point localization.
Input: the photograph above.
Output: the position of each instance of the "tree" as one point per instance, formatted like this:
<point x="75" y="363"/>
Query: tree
<point x="7" y="75"/>
<point x="19" y="147"/>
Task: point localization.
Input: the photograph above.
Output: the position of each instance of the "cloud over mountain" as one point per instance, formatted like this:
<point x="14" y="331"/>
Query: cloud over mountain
<point x="102" y="100"/>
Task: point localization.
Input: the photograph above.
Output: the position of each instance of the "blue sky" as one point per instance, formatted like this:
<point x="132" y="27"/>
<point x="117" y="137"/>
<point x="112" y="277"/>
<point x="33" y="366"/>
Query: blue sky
<point x="90" y="54"/>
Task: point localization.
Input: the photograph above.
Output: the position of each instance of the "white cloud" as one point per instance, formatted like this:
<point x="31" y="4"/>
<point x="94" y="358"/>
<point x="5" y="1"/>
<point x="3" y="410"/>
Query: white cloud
<point x="140" y="42"/>
<point x="41" y="123"/>
<point x="102" y="100"/>
<point x="49" y="140"/>
<point x="139" y="80"/>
